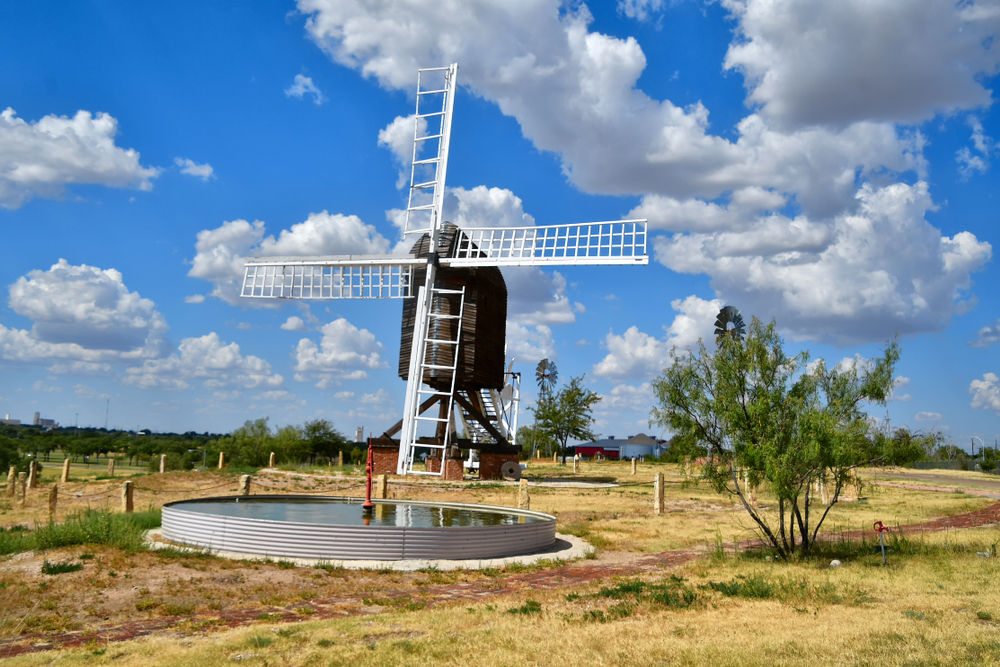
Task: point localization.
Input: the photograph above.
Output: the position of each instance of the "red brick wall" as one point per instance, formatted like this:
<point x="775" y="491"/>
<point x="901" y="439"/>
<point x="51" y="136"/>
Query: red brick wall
<point x="489" y="464"/>
<point x="453" y="470"/>
<point x="384" y="460"/>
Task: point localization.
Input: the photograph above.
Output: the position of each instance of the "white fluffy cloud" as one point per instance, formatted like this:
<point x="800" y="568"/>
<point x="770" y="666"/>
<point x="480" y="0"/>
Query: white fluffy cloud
<point x="633" y="355"/>
<point x="40" y="159"/>
<point x="773" y="213"/>
<point x="204" y="359"/>
<point x="534" y="297"/>
<point x="565" y="85"/>
<point x="294" y="323"/>
<point x="988" y="335"/>
<point x="637" y="355"/>
<point x="302" y="86"/>
<point x="859" y="277"/>
<point x="986" y="392"/>
<point x="344" y="353"/>
<point x="192" y="168"/>
<point x="529" y="344"/>
<point x="928" y="417"/>
<point x="81" y="314"/>
<point x="809" y="63"/>
<point x="222" y="251"/>
<point x="900" y="384"/>
<point x="397" y="136"/>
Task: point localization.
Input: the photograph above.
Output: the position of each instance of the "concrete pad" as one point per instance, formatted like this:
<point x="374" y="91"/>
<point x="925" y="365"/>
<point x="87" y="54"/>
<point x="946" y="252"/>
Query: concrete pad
<point x="566" y="547"/>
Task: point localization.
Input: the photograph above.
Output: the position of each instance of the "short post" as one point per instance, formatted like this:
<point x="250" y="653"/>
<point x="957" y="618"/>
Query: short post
<point x="823" y="491"/>
<point x="576" y="463"/>
<point x="555" y="457"/>
<point x="857" y="486"/>
<point x="634" y="461"/>
<point x="523" y="498"/>
<point x="687" y="467"/>
<point x="753" y="496"/>
<point x="53" y="500"/>
<point x="65" y="474"/>
<point x="163" y="463"/>
<point x="111" y="467"/>
<point x="382" y="486"/>
<point x="270" y="461"/>
<point x="12" y="481"/>
<point x="244" y="485"/>
<point x="340" y="459"/>
<point x="658" y="493"/>
<point x="127" y="505"/>
<point x="33" y="474"/>
<point x="222" y="460"/>
<point x="22" y="488"/>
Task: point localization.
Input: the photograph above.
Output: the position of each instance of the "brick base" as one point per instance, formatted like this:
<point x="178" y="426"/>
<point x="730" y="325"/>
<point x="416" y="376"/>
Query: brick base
<point x="489" y="464"/>
<point x="384" y="460"/>
<point x="453" y="469"/>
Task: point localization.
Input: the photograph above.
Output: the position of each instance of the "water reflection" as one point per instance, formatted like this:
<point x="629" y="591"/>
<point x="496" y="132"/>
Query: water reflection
<point x="340" y="512"/>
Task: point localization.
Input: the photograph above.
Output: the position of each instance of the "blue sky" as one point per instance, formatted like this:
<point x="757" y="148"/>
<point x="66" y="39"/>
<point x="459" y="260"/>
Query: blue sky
<point x="826" y="165"/>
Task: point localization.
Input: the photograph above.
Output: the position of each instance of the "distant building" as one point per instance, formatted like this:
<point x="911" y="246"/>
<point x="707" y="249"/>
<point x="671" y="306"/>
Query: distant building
<point x="10" y="422"/>
<point x="634" y="447"/>
<point x="44" y="423"/>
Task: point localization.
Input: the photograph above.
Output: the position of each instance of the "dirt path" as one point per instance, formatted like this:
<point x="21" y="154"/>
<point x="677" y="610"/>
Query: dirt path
<point x="579" y="573"/>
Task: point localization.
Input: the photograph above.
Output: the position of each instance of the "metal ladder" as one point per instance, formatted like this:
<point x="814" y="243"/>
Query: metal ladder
<point x="434" y="338"/>
<point x="421" y="214"/>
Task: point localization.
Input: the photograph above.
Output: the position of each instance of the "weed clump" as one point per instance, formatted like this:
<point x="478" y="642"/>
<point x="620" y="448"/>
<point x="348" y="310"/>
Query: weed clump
<point x="61" y="567"/>
<point x="526" y="609"/>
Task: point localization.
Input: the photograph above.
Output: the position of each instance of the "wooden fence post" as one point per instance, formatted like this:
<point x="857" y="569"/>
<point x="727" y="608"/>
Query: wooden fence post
<point x="244" y="485"/>
<point x="658" y="493"/>
<point x="65" y="472"/>
<point x="111" y="467"/>
<point x="523" y="498"/>
<point x="127" y="505"/>
<point x="12" y="481"/>
<point x="634" y="461"/>
<point x="53" y="500"/>
<point x="340" y="459"/>
<point x="163" y="463"/>
<point x="222" y="460"/>
<point x="33" y="474"/>
<point x="576" y="463"/>
<point x="22" y="488"/>
<point x="270" y="461"/>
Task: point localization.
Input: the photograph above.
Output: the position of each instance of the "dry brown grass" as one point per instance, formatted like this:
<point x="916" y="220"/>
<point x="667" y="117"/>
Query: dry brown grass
<point x="922" y="610"/>
<point x="938" y="606"/>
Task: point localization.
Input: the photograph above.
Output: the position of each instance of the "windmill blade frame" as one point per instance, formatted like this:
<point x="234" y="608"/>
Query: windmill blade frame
<point x="595" y="243"/>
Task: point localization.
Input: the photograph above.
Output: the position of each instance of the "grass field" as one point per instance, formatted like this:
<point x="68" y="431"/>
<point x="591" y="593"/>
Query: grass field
<point x="937" y="603"/>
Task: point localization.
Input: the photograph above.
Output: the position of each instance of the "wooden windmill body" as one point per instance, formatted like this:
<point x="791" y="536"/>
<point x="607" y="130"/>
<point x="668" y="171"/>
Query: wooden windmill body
<point x="452" y="351"/>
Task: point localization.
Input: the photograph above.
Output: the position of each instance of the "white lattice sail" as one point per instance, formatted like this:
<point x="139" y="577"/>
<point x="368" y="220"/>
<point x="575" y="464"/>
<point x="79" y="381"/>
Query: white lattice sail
<point x="338" y="277"/>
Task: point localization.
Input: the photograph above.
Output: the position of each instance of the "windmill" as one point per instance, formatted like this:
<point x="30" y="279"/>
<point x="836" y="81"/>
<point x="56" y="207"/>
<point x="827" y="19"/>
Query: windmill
<point x="729" y="322"/>
<point x="546" y="375"/>
<point x="452" y="349"/>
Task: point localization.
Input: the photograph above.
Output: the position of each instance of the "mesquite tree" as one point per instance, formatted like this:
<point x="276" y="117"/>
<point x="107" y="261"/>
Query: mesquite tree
<point x="769" y="420"/>
<point x="567" y="413"/>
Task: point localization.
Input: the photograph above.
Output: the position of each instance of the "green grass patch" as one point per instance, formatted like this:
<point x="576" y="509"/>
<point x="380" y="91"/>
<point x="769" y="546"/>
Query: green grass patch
<point x="61" y="567"/>
<point x="90" y="527"/>
<point x="526" y="609"/>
